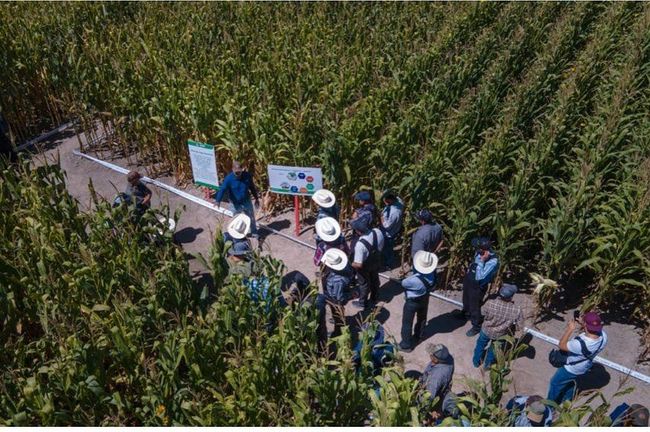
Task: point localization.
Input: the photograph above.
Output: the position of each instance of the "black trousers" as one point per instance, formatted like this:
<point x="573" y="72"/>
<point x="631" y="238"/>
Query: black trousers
<point x="368" y="282"/>
<point x="473" y="295"/>
<point x="414" y="308"/>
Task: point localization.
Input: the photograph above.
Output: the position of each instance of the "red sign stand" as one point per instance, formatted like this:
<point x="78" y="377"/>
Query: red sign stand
<point x="296" y="212"/>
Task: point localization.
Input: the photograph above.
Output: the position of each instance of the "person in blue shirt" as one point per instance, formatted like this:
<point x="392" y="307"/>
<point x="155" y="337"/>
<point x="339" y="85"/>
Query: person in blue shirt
<point x="391" y="224"/>
<point x="382" y="353"/>
<point x="416" y="291"/>
<point x="480" y="274"/>
<point x="367" y="210"/>
<point x="326" y="202"/>
<point x="634" y="415"/>
<point x="240" y="186"/>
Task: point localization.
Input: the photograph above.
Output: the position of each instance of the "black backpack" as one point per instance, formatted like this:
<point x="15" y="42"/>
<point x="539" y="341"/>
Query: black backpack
<point x="558" y="358"/>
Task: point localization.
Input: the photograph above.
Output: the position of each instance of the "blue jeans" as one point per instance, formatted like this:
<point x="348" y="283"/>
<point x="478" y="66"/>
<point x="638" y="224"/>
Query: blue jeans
<point x="481" y="344"/>
<point x="248" y="210"/>
<point x="563" y="386"/>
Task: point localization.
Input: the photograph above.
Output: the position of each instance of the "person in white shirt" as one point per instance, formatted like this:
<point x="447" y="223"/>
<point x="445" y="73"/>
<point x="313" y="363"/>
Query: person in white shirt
<point x="582" y="350"/>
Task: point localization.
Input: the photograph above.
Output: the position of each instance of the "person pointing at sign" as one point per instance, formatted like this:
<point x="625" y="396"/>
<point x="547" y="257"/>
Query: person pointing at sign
<point x="239" y="185"/>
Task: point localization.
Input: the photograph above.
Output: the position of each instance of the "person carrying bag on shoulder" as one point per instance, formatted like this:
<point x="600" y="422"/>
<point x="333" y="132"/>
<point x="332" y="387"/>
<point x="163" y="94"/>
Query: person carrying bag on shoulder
<point x="575" y="357"/>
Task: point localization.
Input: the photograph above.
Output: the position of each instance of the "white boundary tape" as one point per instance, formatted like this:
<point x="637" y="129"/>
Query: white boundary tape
<point x="44" y="136"/>
<point x="204" y="203"/>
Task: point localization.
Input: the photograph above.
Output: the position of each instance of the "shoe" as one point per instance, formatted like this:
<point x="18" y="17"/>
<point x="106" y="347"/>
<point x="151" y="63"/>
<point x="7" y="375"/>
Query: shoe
<point x="404" y="349"/>
<point x="359" y="304"/>
<point x="460" y="314"/>
<point x="472" y="332"/>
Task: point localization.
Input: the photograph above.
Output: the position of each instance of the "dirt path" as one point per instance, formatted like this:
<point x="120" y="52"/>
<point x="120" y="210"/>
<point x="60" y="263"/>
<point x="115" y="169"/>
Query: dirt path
<point x="531" y="373"/>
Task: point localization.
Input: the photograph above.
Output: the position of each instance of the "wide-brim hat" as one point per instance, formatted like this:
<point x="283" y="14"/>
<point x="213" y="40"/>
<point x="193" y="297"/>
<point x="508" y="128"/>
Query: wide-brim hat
<point x="171" y="223"/>
<point x="239" y="227"/>
<point x="425" y="262"/>
<point x="328" y="229"/>
<point x="324" y="198"/>
<point x="335" y="259"/>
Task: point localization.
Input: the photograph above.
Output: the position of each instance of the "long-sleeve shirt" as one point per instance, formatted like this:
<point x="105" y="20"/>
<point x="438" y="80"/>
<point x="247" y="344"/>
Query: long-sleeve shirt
<point x="485" y="271"/>
<point x="237" y="188"/>
<point x="437" y="378"/>
<point x="499" y="316"/>
<point x="427" y="238"/>
<point x="391" y="218"/>
<point x="414" y="286"/>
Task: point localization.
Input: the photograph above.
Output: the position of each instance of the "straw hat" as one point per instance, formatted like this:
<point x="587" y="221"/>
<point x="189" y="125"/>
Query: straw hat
<point x="328" y="229"/>
<point x="239" y="226"/>
<point x="324" y="198"/>
<point x="425" y="262"/>
<point x="335" y="259"/>
<point x="171" y="223"/>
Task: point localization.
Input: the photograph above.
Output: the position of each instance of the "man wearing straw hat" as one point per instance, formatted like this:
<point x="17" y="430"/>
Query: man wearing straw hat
<point x="239" y="185"/>
<point x="336" y="284"/>
<point x="238" y="229"/>
<point x="367" y="261"/>
<point x="326" y="202"/>
<point x="416" y="292"/>
<point x="329" y="234"/>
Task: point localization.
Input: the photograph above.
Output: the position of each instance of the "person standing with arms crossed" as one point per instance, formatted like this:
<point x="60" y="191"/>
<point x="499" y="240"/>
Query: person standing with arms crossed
<point x="239" y="185"/>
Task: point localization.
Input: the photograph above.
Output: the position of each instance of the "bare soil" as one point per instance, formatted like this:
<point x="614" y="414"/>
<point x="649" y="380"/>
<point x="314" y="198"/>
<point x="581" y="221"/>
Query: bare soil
<point x="532" y="372"/>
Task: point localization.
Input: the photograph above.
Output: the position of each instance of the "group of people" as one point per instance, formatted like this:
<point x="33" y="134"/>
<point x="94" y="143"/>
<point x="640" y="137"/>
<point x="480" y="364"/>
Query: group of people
<point x="349" y="272"/>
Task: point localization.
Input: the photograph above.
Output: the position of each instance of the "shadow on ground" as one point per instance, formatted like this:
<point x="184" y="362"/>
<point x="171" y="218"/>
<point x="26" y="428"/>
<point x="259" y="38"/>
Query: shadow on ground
<point x="187" y="235"/>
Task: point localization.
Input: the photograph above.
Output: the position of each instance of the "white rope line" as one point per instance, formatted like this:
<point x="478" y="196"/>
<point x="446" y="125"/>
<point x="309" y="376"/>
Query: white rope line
<point x="204" y="203"/>
<point x="44" y="136"/>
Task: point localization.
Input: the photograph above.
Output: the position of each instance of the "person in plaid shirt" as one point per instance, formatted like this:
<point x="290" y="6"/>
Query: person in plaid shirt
<point x="500" y="314"/>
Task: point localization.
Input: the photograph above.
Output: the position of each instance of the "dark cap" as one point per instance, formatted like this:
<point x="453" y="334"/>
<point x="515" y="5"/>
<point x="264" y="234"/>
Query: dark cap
<point x="240" y="248"/>
<point x="482" y="243"/>
<point x="508" y="290"/>
<point x="424" y="215"/>
<point x="360" y="224"/>
<point x="389" y="194"/>
<point x="439" y="351"/>
<point x="362" y="196"/>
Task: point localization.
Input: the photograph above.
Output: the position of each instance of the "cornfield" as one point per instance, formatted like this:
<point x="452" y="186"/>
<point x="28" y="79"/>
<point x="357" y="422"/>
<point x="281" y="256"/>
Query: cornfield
<point x="103" y="326"/>
<point x="524" y="122"/>
<point x="528" y="123"/>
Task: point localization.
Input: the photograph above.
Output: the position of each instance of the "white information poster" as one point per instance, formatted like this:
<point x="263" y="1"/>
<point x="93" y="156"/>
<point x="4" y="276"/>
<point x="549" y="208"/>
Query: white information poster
<point x="204" y="164"/>
<point x="294" y="180"/>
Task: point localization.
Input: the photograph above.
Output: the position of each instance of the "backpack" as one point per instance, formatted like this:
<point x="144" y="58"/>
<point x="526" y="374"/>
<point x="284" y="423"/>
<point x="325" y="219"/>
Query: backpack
<point x="558" y="358"/>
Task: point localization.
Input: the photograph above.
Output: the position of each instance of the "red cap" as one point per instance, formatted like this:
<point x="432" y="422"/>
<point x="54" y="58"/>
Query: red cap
<point x="592" y="321"/>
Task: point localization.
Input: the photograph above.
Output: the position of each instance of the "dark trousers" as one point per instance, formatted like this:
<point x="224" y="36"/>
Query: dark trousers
<point x="368" y="281"/>
<point x="473" y="295"/>
<point x="414" y="308"/>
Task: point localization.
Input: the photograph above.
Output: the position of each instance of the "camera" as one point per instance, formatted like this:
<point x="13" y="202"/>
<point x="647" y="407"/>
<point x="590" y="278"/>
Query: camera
<point x="576" y="314"/>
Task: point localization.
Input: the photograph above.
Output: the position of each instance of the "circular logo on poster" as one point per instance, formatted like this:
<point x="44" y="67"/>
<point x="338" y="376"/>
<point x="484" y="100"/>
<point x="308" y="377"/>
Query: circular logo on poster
<point x="294" y="188"/>
<point x="310" y="179"/>
<point x="303" y="190"/>
<point x="310" y="187"/>
<point x="285" y="185"/>
<point x="291" y="176"/>
<point x="301" y="176"/>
